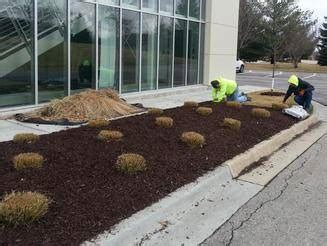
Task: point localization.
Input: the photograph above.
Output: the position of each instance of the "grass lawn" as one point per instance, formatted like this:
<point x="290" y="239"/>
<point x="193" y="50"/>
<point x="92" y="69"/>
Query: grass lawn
<point x="288" y="67"/>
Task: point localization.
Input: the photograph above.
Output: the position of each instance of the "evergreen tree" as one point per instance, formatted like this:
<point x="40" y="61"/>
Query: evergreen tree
<point x="322" y="57"/>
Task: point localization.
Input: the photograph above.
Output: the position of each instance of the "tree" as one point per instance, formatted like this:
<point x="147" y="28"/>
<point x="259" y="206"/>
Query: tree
<point x="322" y="57"/>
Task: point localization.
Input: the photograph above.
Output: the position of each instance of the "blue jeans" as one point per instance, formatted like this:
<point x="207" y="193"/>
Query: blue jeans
<point x="304" y="100"/>
<point x="237" y="96"/>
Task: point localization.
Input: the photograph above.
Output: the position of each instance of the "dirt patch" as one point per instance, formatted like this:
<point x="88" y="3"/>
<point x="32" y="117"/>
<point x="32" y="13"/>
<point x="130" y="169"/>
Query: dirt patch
<point x="90" y="195"/>
<point x="266" y="99"/>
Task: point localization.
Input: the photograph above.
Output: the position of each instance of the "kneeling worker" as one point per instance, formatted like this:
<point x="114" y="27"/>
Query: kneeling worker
<point x="224" y="89"/>
<point x="302" y="91"/>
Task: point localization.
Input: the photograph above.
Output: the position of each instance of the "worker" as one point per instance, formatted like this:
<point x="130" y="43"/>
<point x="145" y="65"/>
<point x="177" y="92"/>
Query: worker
<point x="302" y="91"/>
<point x="224" y="89"/>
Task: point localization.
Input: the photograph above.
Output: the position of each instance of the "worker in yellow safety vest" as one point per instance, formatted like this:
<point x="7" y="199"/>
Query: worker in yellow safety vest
<point x="226" y="90"/>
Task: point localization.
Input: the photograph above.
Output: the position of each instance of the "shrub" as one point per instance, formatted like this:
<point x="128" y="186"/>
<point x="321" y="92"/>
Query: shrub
<point x="98" y="123"/>
<point x="190" y="104"/>
<point x="110" y="135"/>
<point x="131" y="163"/>
<point x="22" y="208"/>
<point x="193" y="139"/>
<point x="232" y="124"/>
<point x="26" y="138"/>
<point x="165" y="122"/>
<point x="260" y="113"/>
<point x="28" y="160"/>
<point x="205" y="111"/>
<point x="155" y="111"/>
<point x="279" y="106"/>
<point x="234" y="104"/>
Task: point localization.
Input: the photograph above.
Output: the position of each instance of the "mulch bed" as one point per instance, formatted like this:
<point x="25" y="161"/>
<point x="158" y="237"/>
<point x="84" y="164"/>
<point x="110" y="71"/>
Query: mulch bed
<point x="273" y="93"/>
<point x="89" y="195"/>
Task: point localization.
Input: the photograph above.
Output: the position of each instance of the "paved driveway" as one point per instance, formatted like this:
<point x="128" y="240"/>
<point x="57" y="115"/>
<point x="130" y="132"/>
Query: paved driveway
<point x="258" y="78"/>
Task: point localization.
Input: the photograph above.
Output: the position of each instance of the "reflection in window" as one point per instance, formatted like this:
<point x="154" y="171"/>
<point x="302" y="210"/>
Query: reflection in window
<point x="131" y="51"/>
<point x="202" y="53"/>
<point x="181" y="7"/>
<point x="167" y="6"/>
<point x="131" y="3"/>
<point x="203" y="10"/>
<point x="165" y="52"/>
<point x="82" y="45"/>
<point x="115" y="2"/>
<point x="195" y="9"/>
<point x="180" y="52"/>
<point x="52" y="49"/>
<point x="150" y="5"/>
<point x="109" y="47"/>
<point x="149" y="51"/>
<point x="16" y="71"/>
<point x="193" y="53"/>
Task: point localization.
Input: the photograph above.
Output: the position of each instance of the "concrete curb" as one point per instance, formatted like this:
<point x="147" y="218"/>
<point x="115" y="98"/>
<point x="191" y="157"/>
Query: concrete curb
<point x="267" y="147"/>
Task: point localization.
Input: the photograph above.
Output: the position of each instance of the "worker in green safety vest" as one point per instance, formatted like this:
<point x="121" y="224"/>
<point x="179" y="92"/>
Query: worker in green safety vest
<point x="226" y="90"/>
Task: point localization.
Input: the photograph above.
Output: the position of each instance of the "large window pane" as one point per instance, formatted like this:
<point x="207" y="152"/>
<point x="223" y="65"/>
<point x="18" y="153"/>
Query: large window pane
<point x="115" y="2"/>
<point x="109" y="47"/>
<point x="131" y="3"/>
<point x="193" y="53"/>
<point x="166" y="52"/>
<point x="52" y="49"/>
<point x="131" y="51"/>
<point x="150" y="5"/>
<point x="82" y="45"/>
<point x="181" y="7"/>
<point x="195" y="9"/>
<point x="203" y="10"/>
<point x="16" y="53"/>
<point x="149" y="51"/>
<point x="180" y="52"/>
<point x="202" y="53"/>
<point x="167" y="6"/>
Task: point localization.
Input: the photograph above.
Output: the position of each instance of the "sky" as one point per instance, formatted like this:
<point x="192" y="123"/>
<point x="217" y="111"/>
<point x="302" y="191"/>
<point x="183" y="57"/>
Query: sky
<point x="318" y="6"/>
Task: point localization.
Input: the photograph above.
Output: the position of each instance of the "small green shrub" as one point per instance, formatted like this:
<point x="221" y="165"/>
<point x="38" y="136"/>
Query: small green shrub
<point x="193" y="139"/>
<point x="279" y="106"/>
<point x="28" y="160"/>
<point x="23" y="208"/>
<point x="25" y="138"/>
<point x="191" y="104"/>
<point x="260" y="113"/>
<point x="165" y="122"/>
<point x="131" y="163"/>
<point x="233" y="104"/>
<point x="205" y="111"/>
<point x="155" y="111"/>
<point x="232" y="124"/>
<point x="110" y="135"/>
<point x="98" y="123"/>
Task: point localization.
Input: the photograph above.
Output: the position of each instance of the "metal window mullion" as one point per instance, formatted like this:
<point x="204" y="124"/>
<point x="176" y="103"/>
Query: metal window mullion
<point x="36" y="58"/>
<point x="173" y="58"/>
<point x="68" y="48"/>
<point x="158" y="51"/>
<point x="96" y="46"/>
<point x="199" y="52"/>
<point x="140" y="52"/>
<point x="120" y="49"/>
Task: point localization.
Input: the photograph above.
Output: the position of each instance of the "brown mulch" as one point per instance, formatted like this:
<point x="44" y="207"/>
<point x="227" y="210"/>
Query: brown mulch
<point x="273" y="93"/>
<point x="89" y="195"/>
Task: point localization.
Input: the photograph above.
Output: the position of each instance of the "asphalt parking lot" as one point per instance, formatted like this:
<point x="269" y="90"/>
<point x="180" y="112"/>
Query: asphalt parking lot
<point x="264" y="78"/>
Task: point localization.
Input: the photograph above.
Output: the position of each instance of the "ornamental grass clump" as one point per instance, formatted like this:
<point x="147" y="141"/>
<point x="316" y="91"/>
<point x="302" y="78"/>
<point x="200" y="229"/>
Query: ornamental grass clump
<point x="155" y="111"/>
<point x="233" y="104"/>
<point x="165" y="122"/>
<point x="131" y="163"/>
<point x="279" y="106"/>
<point x="232" y="124"/>
<point x="26" y="138"/>
<point x="193" y="139"/>
<point x="191" y="104"/>
<point x="23" y="208"/>
<point x="98" y="123"/>
<point x="110" y="135"/>
<point x="204" y="111"/>
<point x="260" y="113"/>
<point x="28" y="160"/>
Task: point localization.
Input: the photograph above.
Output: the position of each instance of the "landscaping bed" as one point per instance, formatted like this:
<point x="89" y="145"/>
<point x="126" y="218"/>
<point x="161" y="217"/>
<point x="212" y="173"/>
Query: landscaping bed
<point x="89" y="194"/>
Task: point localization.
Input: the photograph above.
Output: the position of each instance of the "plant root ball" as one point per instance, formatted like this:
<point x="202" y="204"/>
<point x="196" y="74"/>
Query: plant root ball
<point x="98" y="123"/>
<point x="232" y="124"/>
<point x="204" y="111"/>
<point x="155" y="111"/>
<point x="165" y="122"/>
<point x="191" y="104"/>
<point x="28" y="160"/>
<point x="26" y="138"/>
<point x="260" y="113"/>
<point x="193" y="139"/>
<point x="110" y="135"/>
<point x="131" y="163"/>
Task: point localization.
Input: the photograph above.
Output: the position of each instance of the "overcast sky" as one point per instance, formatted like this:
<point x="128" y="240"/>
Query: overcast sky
<point x="318" y="6"/>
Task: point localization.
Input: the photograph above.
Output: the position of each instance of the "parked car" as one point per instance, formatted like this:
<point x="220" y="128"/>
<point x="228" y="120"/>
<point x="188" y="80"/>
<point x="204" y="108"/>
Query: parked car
<point x="240" y="66"/>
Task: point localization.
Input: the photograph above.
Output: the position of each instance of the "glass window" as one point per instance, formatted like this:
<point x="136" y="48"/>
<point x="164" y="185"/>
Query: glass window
<point x="82" y="45"/>
<point x="165" y="52"/>
<point x="202" y="53"/>
<point x="203" y="10"/>
<point x="52" y="49"/>
<point x="193" y="53"/>
<point x="195" y="9"/>
<point x="150" y="5"/>
<point x="131" y="3"/>
<point x="114" y="2"/>
<point x="167" y="6"/>
<point x="131" y="51"/>
<point x="109" y="47"/>
<point x="181" y="7"/>
<point x="16" y="53"/>
<point x="149" y="51"/>
<point x="180" y="52"/>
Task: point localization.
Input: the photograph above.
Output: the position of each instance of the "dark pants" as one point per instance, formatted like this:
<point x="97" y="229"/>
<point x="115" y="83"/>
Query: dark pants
<point x="304" y="100"/>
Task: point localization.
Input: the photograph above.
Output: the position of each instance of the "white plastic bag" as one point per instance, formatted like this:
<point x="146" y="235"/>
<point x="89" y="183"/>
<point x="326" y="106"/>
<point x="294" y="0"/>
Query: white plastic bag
<point x="297" y="112"/>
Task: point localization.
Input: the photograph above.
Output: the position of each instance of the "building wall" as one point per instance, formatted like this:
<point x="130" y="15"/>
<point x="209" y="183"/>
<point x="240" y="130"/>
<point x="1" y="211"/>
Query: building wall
<point x="221" y="39"/>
